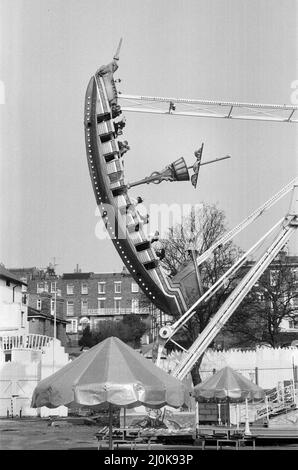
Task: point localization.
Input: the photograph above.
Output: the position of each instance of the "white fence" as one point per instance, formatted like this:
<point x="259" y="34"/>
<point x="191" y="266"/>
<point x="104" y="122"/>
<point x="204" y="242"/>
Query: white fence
<point x="30" y="341"/>
<point x="265" y="366"/>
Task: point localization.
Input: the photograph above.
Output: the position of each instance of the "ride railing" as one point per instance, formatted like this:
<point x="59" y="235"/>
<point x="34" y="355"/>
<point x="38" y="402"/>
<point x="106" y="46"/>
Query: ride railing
<point x="118" y="311"/>
<point x="279" y="400"/>
<point x="30" y="341"/>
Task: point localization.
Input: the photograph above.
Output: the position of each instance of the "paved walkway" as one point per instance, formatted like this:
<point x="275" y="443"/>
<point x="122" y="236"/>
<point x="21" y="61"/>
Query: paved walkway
<point x="37" y="434"/>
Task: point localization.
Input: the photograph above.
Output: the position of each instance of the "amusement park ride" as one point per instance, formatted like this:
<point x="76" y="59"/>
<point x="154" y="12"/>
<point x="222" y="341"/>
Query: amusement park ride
<point x="126" y="225"/>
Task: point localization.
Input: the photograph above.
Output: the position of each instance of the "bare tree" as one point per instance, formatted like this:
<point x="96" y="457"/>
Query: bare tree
<point x="200" y="230"/>
<point x="273" y="300"/>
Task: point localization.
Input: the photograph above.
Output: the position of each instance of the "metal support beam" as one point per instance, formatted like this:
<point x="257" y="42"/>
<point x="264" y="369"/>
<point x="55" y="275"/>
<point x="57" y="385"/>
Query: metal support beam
<point x="208" y="108"/>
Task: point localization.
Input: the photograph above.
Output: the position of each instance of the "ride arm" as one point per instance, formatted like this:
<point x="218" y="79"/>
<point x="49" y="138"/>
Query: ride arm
<point x="253" y="216"/>
<point x="167" y="332"/>
<point x="233" y="301"/>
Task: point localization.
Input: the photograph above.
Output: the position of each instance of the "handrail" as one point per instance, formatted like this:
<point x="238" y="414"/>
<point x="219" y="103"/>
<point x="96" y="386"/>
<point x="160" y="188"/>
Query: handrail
<point x="29" y="341"/>
<point x="282" y="398"/>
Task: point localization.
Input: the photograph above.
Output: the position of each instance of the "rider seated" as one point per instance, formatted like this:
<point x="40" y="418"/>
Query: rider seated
<point x="140" y="208"/>
<point x="123" y="147"/>
<point x="154" y="237"/>
<point x="158" y="247"/>
<point x="119" y="126"/>
<point x="160" y="253"/>
<point x="116" y="110"/>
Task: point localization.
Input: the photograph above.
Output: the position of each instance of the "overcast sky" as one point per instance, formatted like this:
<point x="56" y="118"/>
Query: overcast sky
<point x="235" y="50"/>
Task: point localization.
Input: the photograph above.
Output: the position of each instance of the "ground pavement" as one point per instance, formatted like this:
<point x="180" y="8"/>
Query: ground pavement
<point x="39" y="434"/>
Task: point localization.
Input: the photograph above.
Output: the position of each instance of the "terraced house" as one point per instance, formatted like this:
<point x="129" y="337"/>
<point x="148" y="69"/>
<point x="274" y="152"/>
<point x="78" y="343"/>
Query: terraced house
<point x="87" y="298"/>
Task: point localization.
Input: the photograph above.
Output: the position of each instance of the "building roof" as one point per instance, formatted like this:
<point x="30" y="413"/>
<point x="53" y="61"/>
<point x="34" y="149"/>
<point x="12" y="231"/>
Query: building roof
<point x="34" y="313"/>
<point x="77" y="275"/>
<point x="5" y="274"/>
<point x="91" y="275"/>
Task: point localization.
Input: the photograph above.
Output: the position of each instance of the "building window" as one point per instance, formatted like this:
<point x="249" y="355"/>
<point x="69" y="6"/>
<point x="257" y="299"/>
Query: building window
<point x="24" y="288"/>
<point x="52" y="307"/>
<point x="83" y="323"/>
<point x="84" y="289"/>
<point x="70" y="307"/>
<point x="53" y="287"/>
<point x="260" y="296"/>
<point x="134" y="287"/>
<point x="135" y="305"/>
<point x="101" y="304"/>
<point x="39" y="288"/>
<point x="38" y="304"/>
<point x="117" y="287"/>
<point x="7" y="356"/>
<point x="274" y="274"/>
<point x="22" y="320"/>
<point x="293" y="324"/>
<point x="46" y="287"/>
<point x="117" y="305"/>
<point x="84" y="307"/>
<point x="101" y="287"/>
<point x="69" y="289"/>
<point x="72" y="326"/>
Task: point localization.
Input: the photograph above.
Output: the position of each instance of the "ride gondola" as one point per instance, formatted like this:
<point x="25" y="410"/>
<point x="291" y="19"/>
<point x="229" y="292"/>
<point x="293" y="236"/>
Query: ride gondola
<point x="119" y="212"/>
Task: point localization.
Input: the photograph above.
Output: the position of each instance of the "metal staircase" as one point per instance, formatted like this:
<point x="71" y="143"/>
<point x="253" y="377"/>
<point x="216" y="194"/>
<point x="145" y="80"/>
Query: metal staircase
<point x="278" y="401"/>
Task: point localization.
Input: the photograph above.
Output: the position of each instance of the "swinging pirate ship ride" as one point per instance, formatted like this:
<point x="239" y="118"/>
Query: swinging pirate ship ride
<point x="119" y="212"/>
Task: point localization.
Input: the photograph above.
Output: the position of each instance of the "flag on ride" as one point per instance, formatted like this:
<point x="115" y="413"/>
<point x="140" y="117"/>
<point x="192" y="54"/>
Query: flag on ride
<point x="196" y="166"/>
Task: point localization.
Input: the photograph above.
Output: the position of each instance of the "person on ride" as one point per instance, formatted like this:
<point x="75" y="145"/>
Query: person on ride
<point x="140" y="209"/>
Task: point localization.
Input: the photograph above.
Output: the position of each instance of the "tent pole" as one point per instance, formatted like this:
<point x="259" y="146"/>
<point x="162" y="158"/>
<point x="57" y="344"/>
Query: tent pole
<point x="197" y="419"/>
<point x="247" y="429"/>
<point x="237" y="416"/>
<point x="228" y="412"/>
<point x="110" y="427"/>
<point x="219" y="414"/>
<point x="124" y="418"/>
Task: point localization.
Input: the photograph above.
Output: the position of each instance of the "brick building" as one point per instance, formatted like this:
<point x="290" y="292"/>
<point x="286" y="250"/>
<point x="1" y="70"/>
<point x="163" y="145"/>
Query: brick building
<point x="277" y="291"/>
<point x="289" y="325"/>
<point x="41" y="319"/>
<point x="93" y="297"/>
<point x="277" y="277"/>
<point x="87" y="298"/>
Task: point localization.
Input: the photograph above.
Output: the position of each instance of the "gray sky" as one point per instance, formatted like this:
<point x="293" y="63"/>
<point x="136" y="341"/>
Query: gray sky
<point x="234" y="50"/>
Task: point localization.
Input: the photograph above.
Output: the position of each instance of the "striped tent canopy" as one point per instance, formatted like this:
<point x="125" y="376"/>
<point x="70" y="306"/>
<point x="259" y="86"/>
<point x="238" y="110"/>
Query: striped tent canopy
<point x="110" y="373"/>
<point x="228" y="384"/>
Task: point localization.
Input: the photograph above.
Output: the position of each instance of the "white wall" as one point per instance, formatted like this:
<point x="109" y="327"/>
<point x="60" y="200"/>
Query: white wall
<point x="18" y="379"/>
<point x="6" y="292"/>
<point x="11" y="321"/>
<point x="21" y="375"/>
